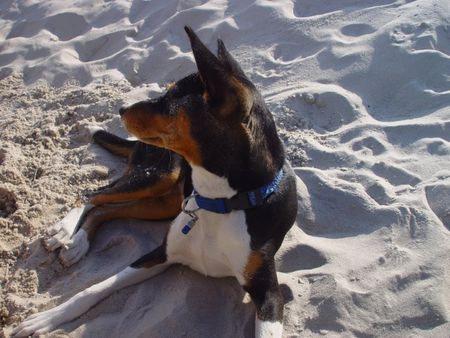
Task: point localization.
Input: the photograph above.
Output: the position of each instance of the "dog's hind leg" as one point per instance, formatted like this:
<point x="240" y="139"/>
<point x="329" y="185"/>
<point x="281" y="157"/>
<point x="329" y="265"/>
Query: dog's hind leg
<point x="136" y="185"/>
<point x="146" y="267"/>
<point x="158" y="208"/>
<point x="112" y="143"/>
<point x="151" y="172"/>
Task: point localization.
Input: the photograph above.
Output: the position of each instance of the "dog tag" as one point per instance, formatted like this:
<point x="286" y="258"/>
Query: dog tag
<point x="189" y="225"/>
<point x="194" y="218"/>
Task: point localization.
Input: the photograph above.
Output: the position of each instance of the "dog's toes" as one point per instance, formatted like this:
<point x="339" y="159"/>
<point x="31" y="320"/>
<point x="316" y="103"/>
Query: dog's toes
<point x="51" y="244"/>
<point x="54" y="229"/>
<point x="57" y="240"/>
<point x="35" y="325"/>
<point x="30" y="327"/>
<point x="75" y="249"/>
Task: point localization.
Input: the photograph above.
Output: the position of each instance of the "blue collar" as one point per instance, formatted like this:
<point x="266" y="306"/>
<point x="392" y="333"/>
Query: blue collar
<point x="240" y="201"/>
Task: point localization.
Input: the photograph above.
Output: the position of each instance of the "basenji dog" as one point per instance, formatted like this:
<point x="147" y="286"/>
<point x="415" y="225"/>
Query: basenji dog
<point x="243" y="200"/>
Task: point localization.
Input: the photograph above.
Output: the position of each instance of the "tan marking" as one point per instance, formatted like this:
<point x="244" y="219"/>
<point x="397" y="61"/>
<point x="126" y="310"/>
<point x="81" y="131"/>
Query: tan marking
<point x="153" y="208"/>
<point x="236" y="98"/>
<point x="244" y="96"/>
<point x="171" y="85"/>
<point x="123" y="151"/>
<point x="172" y="133"/>
<point x="183" y="143"/>
<point x="118" y="150"/>
<point x="161" y="187"/>
<point x="205" y="96"/>
<point x="145" y="125"/>
<point x="254" y="262"/>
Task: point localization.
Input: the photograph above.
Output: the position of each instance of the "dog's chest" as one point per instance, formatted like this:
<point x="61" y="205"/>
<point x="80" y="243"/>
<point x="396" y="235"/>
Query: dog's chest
<point x="218" y="245"/>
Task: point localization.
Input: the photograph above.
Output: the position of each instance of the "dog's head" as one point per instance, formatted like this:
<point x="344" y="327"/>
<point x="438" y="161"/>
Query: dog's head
<point x="214" y="118"/>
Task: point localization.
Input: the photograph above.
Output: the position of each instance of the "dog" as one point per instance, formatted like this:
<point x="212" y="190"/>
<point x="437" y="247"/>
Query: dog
<point x="243" y="199"/>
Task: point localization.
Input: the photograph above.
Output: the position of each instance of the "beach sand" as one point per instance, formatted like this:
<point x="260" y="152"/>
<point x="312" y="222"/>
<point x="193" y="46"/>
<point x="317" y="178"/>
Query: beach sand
<point x="360" y="91"/>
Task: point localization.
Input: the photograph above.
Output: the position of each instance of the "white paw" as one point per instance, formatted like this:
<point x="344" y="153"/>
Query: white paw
<point x="37" y="324"/>
<point x="266" y="329"/>
<point x="92" y="129"/>
<point x="60" y="233"/>
<point x="75" y="248"/>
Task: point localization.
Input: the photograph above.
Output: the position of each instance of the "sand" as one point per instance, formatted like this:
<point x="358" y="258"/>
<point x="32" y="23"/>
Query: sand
<point x="360" y="91"/>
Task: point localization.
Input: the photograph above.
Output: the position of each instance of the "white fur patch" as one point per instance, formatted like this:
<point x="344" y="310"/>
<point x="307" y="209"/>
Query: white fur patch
<point x="266" y="329"/>
<point x="75" y="248"/>
<point x="218" y="245"/>
<point x="210" y="185"/>
<point x="92" y="129"/>
<point x="60" y="233"/>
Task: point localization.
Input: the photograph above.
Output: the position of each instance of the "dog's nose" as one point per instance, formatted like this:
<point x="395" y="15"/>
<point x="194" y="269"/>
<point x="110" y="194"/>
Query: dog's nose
<point x="122" y="110"/>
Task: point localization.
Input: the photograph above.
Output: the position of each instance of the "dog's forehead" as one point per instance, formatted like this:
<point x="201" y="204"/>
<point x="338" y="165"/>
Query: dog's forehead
<point x="190" y="84"/>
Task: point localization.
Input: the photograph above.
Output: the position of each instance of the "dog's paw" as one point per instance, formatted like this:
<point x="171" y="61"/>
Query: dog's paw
<point x="55" y="240"/>
<point x="74" y="249"/>
<point x="59" y="233"/>
<point x="37" y="324"/>
<point x="92" y="129"/>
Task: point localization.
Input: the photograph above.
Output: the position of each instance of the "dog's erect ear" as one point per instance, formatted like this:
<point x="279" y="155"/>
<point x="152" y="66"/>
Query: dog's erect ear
<point x="230" y="64"/>
<point x="210" y="68"/>
<point x="225" y="94"/>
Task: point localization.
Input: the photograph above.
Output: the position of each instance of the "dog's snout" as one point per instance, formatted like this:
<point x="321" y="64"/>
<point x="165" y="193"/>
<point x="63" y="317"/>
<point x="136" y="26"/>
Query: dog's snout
<point x="122" y="111"/>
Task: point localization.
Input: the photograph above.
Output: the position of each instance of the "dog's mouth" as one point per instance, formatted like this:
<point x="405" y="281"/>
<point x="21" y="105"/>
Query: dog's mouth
<point x="157" y="140"/>
<point x="152" y="140"/>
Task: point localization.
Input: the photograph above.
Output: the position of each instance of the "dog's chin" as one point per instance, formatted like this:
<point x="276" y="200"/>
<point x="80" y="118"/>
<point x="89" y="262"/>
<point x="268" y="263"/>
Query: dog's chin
<point x="155" y="140"/>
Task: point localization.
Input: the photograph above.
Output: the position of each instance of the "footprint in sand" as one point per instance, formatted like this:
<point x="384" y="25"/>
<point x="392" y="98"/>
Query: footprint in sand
<point x="357" y="29"/>
<point x="326" y="107"/>
<point x="371" y="143"/>
<point x="439" y="147"/>
<point x="287" y="52"/>
<point x="310" y="258"/>
<point x="423" y="36"/>
<point x="395" y="175"/>
<point x="2" y="156"/>
<point x="8" y="203"/>
<point x="437" y="197"/>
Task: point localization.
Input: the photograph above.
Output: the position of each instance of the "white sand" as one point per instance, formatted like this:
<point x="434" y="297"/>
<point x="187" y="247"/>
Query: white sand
<point x="360" y="90"/>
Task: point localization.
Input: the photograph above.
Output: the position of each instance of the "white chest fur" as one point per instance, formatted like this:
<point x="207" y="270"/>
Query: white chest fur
<point x="219" y="244"/>
<point x="210" y="185"/>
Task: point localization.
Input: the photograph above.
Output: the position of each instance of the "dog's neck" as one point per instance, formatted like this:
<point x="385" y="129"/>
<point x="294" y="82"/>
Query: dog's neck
<point x="210" y="185"/>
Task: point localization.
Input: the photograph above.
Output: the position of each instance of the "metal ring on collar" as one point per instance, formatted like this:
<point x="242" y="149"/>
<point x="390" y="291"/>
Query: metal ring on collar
<point x="185" y="202"/>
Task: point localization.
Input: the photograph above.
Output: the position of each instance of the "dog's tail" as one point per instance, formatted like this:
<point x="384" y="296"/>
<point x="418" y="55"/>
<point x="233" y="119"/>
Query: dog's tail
<point x="113" y="143"/>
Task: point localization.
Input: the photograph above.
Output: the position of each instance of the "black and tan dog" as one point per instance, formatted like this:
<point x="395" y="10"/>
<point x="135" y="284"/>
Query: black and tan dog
<point x="243" y="200"/>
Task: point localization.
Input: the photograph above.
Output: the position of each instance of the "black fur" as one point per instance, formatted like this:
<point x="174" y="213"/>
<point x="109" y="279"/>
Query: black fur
<point x="146" y="164"/>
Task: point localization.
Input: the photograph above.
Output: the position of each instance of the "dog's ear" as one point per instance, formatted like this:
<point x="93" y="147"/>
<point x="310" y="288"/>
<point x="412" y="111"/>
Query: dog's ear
<point x="224" y="92"/>
<point x="230" y="64"/>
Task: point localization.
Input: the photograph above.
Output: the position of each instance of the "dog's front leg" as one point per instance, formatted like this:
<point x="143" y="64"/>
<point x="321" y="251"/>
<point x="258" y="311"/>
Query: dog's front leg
<point x="162" y="207"/>
<point x="144" y="268"/>
<point x="262" y="285"/>
<point x="60" y="233"/>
